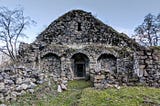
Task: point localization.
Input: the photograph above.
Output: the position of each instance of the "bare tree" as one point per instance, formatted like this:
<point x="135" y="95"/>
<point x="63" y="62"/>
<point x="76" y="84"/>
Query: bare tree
<point x="148" y="33"/>
<point x="12" y="24"/>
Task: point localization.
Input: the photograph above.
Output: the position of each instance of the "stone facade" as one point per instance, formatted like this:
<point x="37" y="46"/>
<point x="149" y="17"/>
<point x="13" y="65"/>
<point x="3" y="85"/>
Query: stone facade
<point x="77" y="45"/>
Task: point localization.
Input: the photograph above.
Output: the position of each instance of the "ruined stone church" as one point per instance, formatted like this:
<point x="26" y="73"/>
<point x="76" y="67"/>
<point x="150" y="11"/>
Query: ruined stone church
<point x="79" y="46"/>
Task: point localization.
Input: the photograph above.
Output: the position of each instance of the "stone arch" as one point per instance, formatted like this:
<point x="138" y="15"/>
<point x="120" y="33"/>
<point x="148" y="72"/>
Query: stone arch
<point x="80" y="65"/>
<point x="51" y="63"/>
<point x="88" y="55"/>
<point x="107" y="62"/>
<point x="44" y="53"/>
<point x="109" y="52"/>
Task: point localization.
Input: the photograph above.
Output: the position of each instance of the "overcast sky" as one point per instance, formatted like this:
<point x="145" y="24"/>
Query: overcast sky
<point x="122" y="15"/>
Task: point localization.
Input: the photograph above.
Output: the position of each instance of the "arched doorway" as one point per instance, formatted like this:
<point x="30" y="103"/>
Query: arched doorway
<point x="51" y="63"/>
<point x="107" y="62"/>
<point x="80" y="65"/>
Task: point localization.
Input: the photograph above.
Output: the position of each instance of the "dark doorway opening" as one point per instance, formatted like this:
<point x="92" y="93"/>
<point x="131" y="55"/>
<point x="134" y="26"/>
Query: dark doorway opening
<point x="80" y="64"/>
<point x="80" y="69"/>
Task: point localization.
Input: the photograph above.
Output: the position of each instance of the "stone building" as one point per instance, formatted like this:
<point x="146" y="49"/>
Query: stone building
<point x="79" y="46"/>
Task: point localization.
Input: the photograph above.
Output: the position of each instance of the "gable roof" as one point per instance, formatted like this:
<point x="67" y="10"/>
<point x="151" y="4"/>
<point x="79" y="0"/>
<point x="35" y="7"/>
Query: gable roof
<point x="65" y="30"/>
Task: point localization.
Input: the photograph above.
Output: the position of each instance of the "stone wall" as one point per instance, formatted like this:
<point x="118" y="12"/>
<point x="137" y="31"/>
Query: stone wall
<point x="124" y="65"/>
<point x="17" y="80"/>
<point x="108" y="57"/>
<point x="149" y="67"/>
<point x="138" y="68"/>
<point x="64" y="31"/>
<point x="77" y="31"/>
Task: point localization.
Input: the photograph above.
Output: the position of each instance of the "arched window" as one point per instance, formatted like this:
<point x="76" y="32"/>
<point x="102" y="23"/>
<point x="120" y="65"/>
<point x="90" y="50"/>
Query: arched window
<point x="51" y="62"/>
<point x="107" y="62"/>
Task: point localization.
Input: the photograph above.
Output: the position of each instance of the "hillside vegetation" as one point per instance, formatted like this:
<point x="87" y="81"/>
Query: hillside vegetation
<point x="81" y="93"/>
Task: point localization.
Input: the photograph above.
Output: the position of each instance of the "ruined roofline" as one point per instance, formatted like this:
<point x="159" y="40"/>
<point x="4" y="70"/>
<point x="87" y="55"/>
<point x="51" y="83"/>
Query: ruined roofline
<point x="62" y="17"/>
<point x="74" y="13"/>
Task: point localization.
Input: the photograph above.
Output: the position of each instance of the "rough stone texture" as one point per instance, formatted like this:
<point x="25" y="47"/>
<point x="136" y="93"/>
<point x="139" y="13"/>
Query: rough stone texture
<point x="76" y="46"/>
<point x="17" y="81"/>
<point x="77" y="41"/>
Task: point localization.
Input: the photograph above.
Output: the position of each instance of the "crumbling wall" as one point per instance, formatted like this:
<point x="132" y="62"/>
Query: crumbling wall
<point x="132" y="67"/>
<point x="149" y="67"/>
<point x="112" y="58"/>
<point x="80" y="27"/>
<point x="51" y="64"/>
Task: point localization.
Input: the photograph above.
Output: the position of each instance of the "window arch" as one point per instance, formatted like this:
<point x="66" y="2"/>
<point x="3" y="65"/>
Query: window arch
<point x="107" y="62"/>
<point x="51" y="63"/>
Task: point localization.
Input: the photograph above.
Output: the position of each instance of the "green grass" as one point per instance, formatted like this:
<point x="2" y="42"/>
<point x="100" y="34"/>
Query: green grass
<point x="81" y="93"/>
<point x="126" y="96"/>
<point x="48" y="96"/>
<point x="72" y="95"/>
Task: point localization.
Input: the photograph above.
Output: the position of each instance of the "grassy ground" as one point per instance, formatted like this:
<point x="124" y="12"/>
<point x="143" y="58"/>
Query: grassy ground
<point x="81" y="93"/>
<point x="48" y="96"/>
<point x="126" y="96"/>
